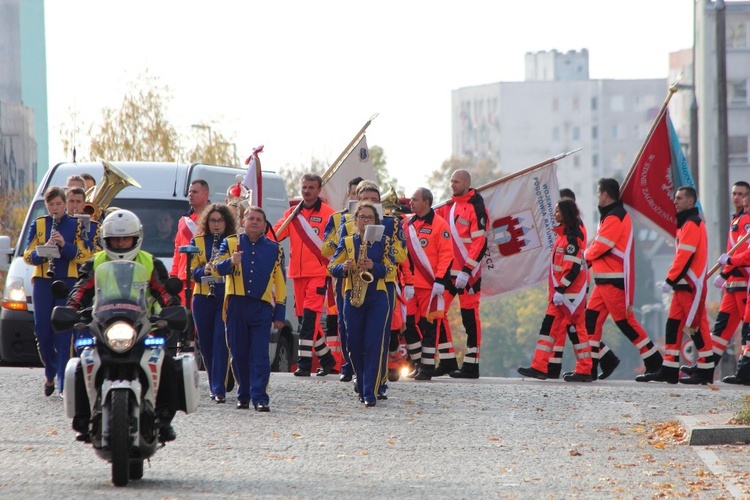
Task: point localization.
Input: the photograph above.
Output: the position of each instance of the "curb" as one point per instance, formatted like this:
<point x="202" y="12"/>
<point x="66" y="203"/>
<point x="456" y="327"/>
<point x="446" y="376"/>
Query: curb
<point x="712" y="429"/>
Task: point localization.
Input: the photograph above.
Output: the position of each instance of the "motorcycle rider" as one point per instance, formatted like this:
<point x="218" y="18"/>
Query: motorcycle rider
<point x="122" y="237"/>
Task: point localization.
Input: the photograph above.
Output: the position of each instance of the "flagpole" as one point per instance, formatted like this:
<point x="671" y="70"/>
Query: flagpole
<point x="672" y="90"/>
<point x="331" y="170"/>
<point x="730" y="252"/>
<point x="517" y="174"/>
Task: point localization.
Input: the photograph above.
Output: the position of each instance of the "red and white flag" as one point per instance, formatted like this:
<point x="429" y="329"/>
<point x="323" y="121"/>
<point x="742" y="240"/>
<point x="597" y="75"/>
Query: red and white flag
<point x="253" y="179"/>
<point x="520" y="234"/>
<point x="356" y="164"/>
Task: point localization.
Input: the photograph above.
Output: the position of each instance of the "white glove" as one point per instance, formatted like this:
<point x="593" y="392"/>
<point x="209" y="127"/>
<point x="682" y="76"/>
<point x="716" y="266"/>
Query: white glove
<point x="724" y="259"/>
<point x="408" y="292"/>
<point x="462" y="280"/>
<point x="437" y="289"/>
<point x="666" y="287"/>
<point x="558" y="298"/>
<point x="719" y="282"/>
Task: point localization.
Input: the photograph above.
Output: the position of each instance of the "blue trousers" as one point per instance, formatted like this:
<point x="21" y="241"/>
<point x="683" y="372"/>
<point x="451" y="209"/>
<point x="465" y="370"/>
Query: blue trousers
<point x="249" y="335"/>
<point x="212" y="339"/>
<point x="368" y="332"/>
<point x="54" y="348"/>
<point x="346" y="367"/>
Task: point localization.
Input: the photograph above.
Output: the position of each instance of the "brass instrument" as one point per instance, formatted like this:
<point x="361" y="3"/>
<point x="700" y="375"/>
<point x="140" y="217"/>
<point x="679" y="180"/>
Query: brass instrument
<point x="99" y="197"/>
<point x="214" y="254"/>
<point x="51" y="268"/>
<point x="360" y="277"/>
<point x="391" y="203"/>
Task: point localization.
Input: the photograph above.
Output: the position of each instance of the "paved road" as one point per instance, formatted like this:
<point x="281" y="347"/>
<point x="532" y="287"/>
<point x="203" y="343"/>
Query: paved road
<point x="507" y="438"/>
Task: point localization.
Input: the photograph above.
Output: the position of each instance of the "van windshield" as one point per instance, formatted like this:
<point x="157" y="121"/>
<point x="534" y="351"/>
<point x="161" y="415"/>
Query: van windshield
<point x="159" y="219"/>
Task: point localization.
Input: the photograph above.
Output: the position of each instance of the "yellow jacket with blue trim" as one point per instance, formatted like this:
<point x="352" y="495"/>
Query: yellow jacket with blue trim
<point x="395" y="238"/>
<point x="198" y="262"/>
<point x="260" y="275"/>
<point x="75" y="251"/>
<point x="377" y="251"/>
<point x="332" y="233"/>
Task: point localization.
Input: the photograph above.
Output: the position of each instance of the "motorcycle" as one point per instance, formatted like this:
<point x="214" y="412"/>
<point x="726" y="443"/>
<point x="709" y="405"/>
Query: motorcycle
<point x="120" y="365"/>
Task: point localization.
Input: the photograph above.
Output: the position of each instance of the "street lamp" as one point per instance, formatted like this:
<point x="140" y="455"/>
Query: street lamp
<point x="204" y="127"/>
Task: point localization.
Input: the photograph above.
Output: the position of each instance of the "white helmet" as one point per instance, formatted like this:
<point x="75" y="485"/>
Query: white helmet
<point x="122" y="223"/>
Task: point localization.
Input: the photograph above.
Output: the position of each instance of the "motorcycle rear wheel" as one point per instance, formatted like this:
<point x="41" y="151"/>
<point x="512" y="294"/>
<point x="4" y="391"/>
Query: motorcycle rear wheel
<point x="119" y="438"/>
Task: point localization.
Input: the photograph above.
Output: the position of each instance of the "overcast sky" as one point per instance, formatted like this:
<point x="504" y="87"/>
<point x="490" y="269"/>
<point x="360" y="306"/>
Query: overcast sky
<point x="302" y="77"/>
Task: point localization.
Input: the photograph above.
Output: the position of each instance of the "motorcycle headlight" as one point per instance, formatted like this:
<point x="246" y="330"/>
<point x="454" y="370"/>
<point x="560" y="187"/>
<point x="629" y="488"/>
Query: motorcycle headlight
<point x="120" y="336"/>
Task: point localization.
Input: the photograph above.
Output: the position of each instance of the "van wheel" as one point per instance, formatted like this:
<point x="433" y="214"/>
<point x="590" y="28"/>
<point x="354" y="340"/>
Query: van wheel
<point x="282" y="362"/>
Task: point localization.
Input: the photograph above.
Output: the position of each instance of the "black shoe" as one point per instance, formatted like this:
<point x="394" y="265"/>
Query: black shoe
<point x="465" y="372"/>
<point x="577" y="377"/>
<point x="689" y="370"/>
<point x="394" y="374"/>
<point x="532" y="373"/>
<point x="423" y="375"/>
<point x="263" y="407"/>
<point x="301" y="372"/>
<point x="445" y="367"/>
<point x="735" y="380"/>
<point x="325" y="370"/>
<point x="608" y="368"/>
<point x="243" y="405"/>
<point x="84" y="437"/>
<point x="695" y="379"/>
<point x="220" y="399"/>
<point x="412" y="373"/>
<point x="361" y="399"/>
<point x="345" y="378"/>
<point x="655" y="377"/>
<point x="370" y="404"/>
<point x="49" y="390"/>
<point x="167" y="433"/>
<point x="382" y="397"/>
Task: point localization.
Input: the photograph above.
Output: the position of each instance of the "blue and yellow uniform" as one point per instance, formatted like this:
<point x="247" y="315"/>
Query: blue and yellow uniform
<point x="208" y="316"/>
<point x="368" y="327"/>
<point x="255" y="297"/>
<point x="54" y="349"/>
<point x="335" y="325"/>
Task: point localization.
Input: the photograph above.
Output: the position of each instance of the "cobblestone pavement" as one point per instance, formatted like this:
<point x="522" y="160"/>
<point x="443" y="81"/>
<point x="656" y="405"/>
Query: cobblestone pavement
<point x="496" y="437"/>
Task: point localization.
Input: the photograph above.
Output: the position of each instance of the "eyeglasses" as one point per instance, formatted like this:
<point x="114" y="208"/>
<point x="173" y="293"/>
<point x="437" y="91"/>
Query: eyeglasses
<point x="366" y="217"/>
<point x="216" y="221"/>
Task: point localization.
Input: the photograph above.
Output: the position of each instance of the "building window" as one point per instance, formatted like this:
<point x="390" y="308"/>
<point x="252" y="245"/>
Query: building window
<point x="555" y="104"/>
<point x="576" y="133"/>
<point x="737" y="92"/>
<point x="617" y="103"/>
<point x="736" y="35"/>
<point x="576" y="161"/>
<point x="738" y="149"/>
<point x="575" y="104"/>
<point x="556" y="134"/>
<point x="594" y="104"/>
<point x="594" y="132"/>
<point x="594" y="160"/>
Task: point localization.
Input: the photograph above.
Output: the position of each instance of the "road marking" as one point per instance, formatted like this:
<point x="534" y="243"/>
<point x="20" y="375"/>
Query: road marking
<point x="713" y="463"/>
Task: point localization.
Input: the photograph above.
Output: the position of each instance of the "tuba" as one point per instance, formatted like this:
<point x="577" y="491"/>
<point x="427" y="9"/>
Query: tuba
<point x="99" y="197"/>
<point x="391" y="203"/>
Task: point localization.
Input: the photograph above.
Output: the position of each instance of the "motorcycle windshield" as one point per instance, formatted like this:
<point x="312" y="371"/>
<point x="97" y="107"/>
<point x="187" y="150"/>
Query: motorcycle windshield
<point x="120" y="286"/>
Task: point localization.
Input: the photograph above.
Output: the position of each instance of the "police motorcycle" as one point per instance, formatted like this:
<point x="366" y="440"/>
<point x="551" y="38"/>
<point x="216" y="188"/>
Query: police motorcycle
<point x="120" y="365"/>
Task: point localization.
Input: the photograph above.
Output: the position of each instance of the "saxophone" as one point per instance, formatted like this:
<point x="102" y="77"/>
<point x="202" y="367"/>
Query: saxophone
<point x="360" y="278"/>
<point x="51" y="268"/>
<point x="214" y="254"/>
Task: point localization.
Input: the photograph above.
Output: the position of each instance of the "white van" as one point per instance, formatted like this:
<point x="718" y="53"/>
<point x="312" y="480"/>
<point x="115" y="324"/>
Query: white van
<point x="164" y="190"/>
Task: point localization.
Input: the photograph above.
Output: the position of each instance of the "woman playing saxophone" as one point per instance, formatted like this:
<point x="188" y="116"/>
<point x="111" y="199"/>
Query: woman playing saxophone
<point x="360" y="260"/>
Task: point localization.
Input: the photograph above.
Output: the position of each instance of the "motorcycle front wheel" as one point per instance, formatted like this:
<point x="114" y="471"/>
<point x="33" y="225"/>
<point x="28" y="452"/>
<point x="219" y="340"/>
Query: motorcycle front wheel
<point x="119" y="437"/>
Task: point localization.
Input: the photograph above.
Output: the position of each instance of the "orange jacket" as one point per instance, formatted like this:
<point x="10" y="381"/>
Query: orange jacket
<point x="737" y="276"/>
<point x="433" y="234"/>
<point x="611" y="252"/>
<point x="182" y="238"/>
<point x="689" y="264"/>
<point x="567" y="262"/>
<point x="470" y="218"/>
<point x="303" y="262"/>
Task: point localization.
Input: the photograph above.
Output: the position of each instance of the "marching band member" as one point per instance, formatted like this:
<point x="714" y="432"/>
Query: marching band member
<point x="567" y="299"/>
<point x="214" y="224"/>
<point x="255" y="300"/>
<point x="430" y="253"/>
<point x="186" y="228"/>
<point x="307" y="268"/>
<point x="687" y="277"/>
<point x="366" y="303"/>
<point x="61" y="231"/>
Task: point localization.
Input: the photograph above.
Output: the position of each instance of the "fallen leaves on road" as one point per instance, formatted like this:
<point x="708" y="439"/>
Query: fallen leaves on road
<point x="665" y="433"/>
<point x="575" y="453"/>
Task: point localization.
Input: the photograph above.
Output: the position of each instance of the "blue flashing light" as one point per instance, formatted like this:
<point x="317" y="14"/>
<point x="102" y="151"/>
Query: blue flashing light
<point x="84" y="342"/>
<point x="154" y="341"/>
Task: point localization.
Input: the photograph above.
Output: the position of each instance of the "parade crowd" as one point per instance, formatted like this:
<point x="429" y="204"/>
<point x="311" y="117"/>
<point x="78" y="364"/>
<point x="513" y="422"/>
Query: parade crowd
<point x="385" y="275"/>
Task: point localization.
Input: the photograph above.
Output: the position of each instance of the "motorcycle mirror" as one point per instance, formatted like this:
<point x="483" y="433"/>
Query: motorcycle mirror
<point x="173" y="285"/>
<point x="64" y="318"/>
<point x="176" y="317"/>
<point x="60" y="289"/>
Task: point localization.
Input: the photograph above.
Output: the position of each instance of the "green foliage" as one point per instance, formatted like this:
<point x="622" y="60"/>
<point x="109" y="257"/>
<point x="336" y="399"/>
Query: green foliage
<point x="13" y="206"/>
<point x="292" y="175"/>
<point x="382" y="175"/>
<point x="482" y="172"/>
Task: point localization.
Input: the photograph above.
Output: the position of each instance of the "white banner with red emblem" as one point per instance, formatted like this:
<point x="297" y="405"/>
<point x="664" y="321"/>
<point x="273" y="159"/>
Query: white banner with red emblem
<point x="357" y="163"/>
<point x="519" y="235"/>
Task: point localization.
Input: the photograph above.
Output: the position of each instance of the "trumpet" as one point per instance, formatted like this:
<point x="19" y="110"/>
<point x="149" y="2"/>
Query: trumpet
<point x="214" y="254"/>
<point x="51" y="268"/>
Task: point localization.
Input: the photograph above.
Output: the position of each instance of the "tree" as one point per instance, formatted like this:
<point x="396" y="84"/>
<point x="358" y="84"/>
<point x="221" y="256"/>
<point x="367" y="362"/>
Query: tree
<point x="482" y="172"/>
<point x="213" y="148"/>
<point x="383" y="176"/>
<point x="13" y="206"/>
<point x="293" y="174"/>
<point x="139" y="130"/>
